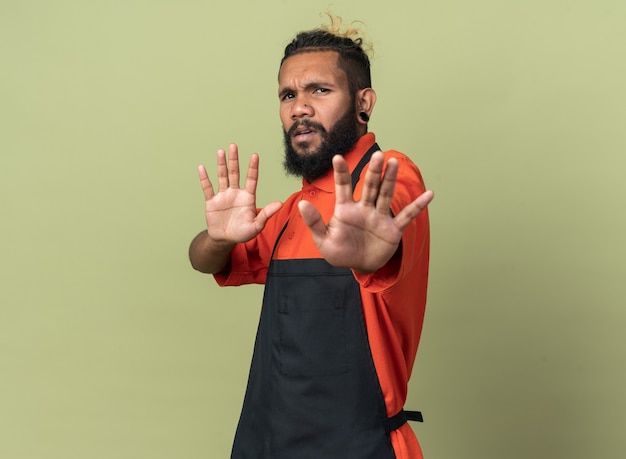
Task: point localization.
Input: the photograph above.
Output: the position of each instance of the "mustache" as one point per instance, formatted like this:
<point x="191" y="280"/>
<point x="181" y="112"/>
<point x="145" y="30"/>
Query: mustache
<point x="307" y="124"/>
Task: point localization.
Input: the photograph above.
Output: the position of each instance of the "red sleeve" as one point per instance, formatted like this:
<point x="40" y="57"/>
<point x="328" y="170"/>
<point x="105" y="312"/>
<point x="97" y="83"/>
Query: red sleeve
<point x="246" y="266"/>
<point x="415" y="237"/>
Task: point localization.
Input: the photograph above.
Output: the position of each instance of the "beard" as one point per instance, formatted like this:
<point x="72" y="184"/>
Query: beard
<point x="312" y="165"/>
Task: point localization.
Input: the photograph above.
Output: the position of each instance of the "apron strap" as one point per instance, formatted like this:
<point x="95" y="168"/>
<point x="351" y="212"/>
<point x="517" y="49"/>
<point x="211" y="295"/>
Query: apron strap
<point x="356" y="173"/>
<point x="397" y="421"/>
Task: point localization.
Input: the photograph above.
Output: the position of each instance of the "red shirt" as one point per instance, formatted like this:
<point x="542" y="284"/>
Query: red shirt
<point x="393" y="298"/>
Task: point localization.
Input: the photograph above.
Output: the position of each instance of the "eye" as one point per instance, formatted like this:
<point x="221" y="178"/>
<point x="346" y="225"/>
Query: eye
<point x="321" y="90"/>
<point x="287" y="96"/>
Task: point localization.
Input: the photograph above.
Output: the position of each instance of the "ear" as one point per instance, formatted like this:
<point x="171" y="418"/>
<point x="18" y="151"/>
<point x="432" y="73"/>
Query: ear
<point x="364" y="103"/>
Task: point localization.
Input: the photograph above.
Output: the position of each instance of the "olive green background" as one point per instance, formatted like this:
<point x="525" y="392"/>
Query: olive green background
<point x="111" y="346"/>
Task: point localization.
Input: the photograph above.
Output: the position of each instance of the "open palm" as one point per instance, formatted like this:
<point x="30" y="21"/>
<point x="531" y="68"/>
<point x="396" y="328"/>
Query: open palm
<point x="231" y="213"/>
<point x="362" y="235"/>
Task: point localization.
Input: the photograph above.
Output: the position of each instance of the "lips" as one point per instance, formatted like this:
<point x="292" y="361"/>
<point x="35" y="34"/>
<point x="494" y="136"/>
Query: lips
<point x="303" y="132"/>
<point x="303" y="135"/>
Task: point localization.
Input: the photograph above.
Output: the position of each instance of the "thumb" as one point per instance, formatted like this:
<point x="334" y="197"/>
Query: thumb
<point x="312" y="218"/>
<point x="264" y="215"/>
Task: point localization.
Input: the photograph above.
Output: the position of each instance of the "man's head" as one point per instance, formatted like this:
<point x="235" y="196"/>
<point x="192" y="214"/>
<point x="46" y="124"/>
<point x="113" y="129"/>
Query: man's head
<point x="325" y="99"/>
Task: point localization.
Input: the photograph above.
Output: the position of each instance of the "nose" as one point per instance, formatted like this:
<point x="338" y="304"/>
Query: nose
<point x="301" y="108"/>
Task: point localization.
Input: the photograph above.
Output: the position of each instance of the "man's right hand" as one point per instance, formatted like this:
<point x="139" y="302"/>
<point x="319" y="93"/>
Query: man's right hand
<point x="231" y="213"/>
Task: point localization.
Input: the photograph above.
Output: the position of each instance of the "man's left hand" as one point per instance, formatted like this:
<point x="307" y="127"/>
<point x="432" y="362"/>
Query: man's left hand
<point x="362" y="235"/>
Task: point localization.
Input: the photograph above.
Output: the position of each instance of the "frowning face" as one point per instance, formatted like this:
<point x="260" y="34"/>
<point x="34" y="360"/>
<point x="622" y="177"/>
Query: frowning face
<point x="314" y="95"/>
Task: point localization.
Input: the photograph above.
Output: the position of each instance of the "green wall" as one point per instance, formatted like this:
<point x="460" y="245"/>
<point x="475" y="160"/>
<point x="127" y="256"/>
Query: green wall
<point x="112" y="347"/>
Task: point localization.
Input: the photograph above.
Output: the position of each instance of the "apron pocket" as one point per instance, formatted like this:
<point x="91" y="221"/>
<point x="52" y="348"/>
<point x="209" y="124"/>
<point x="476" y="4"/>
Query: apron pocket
<point x="312" y="333"/>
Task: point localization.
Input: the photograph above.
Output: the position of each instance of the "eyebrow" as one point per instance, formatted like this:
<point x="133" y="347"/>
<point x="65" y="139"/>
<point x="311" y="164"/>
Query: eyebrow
<point x="311" y="85"/>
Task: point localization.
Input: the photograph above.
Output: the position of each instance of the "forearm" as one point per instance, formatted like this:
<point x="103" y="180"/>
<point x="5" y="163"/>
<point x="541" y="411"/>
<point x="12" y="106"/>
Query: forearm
<point x="209" y="256"/>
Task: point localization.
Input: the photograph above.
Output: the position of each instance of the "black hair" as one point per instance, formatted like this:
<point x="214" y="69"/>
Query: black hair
<point x="352" y="58"/>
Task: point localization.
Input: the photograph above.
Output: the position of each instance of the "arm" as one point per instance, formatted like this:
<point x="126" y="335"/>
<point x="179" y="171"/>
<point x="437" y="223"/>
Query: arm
<point x="207" y="255"/>
<point x="362" y="235"/>
<point x="231" y="213"/>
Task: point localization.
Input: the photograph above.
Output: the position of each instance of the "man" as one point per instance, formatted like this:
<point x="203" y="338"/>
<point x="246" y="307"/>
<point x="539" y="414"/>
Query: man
<point x="344" y="262"/>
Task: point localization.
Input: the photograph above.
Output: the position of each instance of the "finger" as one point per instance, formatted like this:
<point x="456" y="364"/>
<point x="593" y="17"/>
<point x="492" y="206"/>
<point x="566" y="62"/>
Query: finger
<point x="371" y="182"/>
<point x="265" y="214"/>
<point x="343" y="180"/>
<point x="312" y="218"/>
<point x="387" y="186"/>
<point x="205" y="183"/>
<point x="222" y="171"/>
<point x="233" y="166"/>
<point x="411" y="211"/>
<point x="252" y="176"/>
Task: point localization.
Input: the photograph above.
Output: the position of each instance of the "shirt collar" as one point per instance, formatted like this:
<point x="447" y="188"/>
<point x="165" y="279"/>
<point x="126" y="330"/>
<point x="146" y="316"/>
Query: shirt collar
<point x="327" y="182"/>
